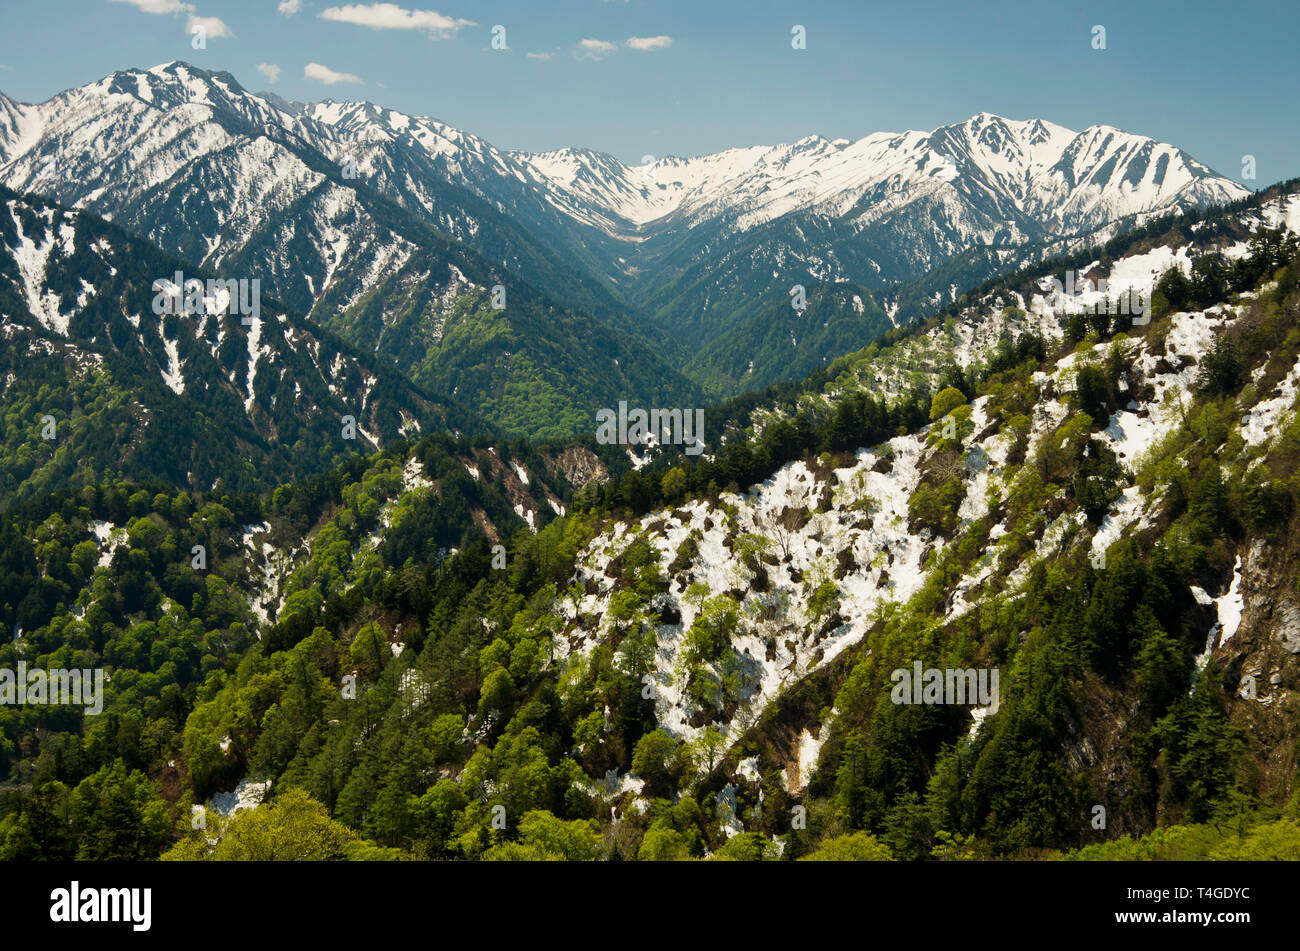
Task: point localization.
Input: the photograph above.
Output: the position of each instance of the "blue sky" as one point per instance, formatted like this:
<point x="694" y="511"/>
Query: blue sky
<point x="686" y="77"/>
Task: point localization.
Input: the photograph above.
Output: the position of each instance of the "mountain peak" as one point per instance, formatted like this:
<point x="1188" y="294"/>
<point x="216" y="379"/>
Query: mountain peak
<point x="1012" y="181"/>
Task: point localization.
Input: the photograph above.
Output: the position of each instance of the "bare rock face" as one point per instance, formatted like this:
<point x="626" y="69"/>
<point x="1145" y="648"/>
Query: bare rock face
<point x="1288" y="626"/>
<point x="580" y="466"/>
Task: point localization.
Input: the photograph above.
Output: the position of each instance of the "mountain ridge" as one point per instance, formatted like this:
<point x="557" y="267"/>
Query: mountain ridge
<point x="350" y="192"/>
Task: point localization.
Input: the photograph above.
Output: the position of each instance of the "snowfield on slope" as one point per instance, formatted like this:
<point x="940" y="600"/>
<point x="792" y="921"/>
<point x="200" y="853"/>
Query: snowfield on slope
<point x="849" y="526"/>
<point x="777" y="650"/>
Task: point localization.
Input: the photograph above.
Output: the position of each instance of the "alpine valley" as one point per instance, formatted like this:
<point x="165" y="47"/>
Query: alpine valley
<point x="365" y="584"/>
<point x="645" y="281"/>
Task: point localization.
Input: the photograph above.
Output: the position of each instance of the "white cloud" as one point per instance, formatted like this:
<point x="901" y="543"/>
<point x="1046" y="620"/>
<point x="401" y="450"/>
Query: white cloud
<point x="595" y="49"/>
<point x="649" y="42"/>
<point x="270" y="71"/>
<point x="213" y="27"/>
<point x="288" y="7"/>
<point x="159" y="6"/>
<point x="541" y="56"/>
<point x="329" y="76"/>
<point x="389" y="16"/>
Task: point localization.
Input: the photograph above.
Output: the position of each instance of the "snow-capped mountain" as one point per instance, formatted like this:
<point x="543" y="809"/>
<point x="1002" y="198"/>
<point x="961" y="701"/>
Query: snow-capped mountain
<point x="145" y="373"/>
<point x="379" y="239"/>
<point x="890" y="212"/>
<point x="1036" y="175"/>
<point x="325" y="201"/>
<point x="224" y="177"/>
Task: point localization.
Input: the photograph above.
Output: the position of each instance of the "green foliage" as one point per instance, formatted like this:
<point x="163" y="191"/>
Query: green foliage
<point x="656" y="759"/>
<point x="825" y="599"/>
<point x="944" y="402"/>
<point x="532" y="369"/>
<point x="292" y="828"/>
<point x="935" y="507"/>
<point x="747" y="847"/>
<point x="1202" y="748"/>
<point x="663" y="843"/>
<point x="1277" y="840"/>
<point x="852" y="847"/>
<point x="1221" y="368"/>
<point x="573" y="841"/>
<point x="480" y="728"/>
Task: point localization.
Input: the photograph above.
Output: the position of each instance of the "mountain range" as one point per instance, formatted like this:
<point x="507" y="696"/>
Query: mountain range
<point x="640" y="282"/>
<point x="462" y="646"/>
